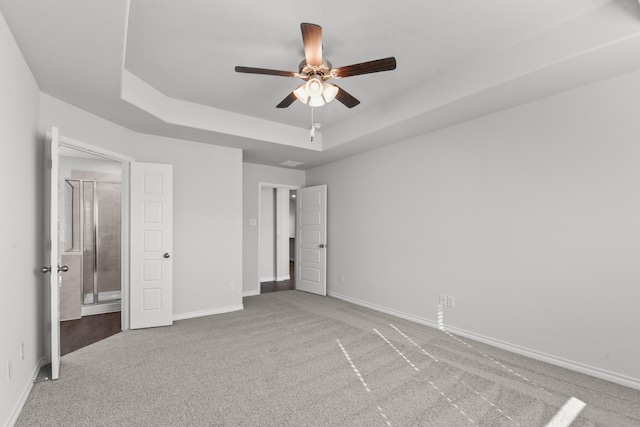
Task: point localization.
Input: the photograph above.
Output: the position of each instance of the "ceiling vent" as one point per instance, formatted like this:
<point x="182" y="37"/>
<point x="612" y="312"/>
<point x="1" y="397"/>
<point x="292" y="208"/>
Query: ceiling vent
<point x="291" y="163"/>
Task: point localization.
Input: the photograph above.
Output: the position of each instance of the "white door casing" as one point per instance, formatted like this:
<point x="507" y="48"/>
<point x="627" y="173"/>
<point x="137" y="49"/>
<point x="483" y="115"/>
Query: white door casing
<point x="311" y="245"/>
<point x="151" y="245"/>
<point x="54" y="143"/>
<point x="54" y="256"/>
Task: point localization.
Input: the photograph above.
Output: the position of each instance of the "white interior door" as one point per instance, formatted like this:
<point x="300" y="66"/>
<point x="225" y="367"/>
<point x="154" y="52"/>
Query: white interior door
<point x="53" y="268"/>
<point x="311" y="245"/>
<point x="151" y="301"/>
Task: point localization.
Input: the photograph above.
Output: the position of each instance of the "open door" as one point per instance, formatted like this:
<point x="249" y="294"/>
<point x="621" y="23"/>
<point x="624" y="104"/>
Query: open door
<point x="151" y="245"/>
<point x="311" y="245"/>
<point x="53" y="269"/>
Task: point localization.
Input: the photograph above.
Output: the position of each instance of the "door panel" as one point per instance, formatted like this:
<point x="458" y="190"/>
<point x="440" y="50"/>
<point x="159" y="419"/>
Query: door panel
<point x="312" y="239"/>
<point x="151" y="245"/>
<point x="54" y="258"/>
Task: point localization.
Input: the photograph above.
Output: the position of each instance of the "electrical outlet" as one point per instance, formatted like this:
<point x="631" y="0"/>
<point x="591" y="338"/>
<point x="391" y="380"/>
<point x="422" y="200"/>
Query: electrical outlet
<point x="443" y="300"/>
<point x="451" y="301"/>
<point x="22" y="352"/>
<point x="232" y="286"/>
<point x="341" y="278"/>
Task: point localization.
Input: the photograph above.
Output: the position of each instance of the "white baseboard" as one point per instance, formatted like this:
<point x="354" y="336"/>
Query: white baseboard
<point x="250" y="293"/>
<point x="523" y="351"/>
<point x="17" y="409"/>
<point x="275" y="278"/>
<point x="202" y="313"/>
<point x="551" y="359"/>
<point x="384" y="309"/>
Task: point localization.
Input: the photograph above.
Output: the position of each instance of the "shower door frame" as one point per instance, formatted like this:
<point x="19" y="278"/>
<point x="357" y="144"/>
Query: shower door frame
<point x="96" y="231"/>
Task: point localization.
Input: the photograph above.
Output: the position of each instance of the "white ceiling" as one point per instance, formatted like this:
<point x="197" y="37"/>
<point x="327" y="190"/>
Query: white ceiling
<point x="166" y="67"/>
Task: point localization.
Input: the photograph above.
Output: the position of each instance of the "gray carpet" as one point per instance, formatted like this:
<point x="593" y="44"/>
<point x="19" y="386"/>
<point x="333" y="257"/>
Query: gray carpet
<point x="296" y="359"/>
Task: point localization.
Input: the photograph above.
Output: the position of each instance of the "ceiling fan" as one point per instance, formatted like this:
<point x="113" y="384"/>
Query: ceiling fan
<point x="316" y="71"/>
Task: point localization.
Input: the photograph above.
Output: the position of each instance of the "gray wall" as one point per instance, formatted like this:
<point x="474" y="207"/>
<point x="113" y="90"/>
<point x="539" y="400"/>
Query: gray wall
<point x="530" y="217"/>
<point x="207" y="205"/>
<point x="207" y="208"/>
<point x="21" y="227"/>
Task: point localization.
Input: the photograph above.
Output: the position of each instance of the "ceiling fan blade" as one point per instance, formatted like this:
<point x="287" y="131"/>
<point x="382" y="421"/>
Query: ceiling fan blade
<point x="287" y="101"/>
<point x="252" y="70"/>
<point x="385" y="64"/>
<point x="346" y="98"/>
<point x="312" y="40"/>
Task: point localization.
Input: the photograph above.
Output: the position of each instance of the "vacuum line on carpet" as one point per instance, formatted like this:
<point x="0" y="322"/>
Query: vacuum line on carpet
<point x="477" y="393"/>
<point x="511" y="371"/>
<point x="366" y="387"/>
<point x="397" y="351"/>
<point x="435" y="387"/>
<point x="573" y="405"/>
<point x="414" y="343"/>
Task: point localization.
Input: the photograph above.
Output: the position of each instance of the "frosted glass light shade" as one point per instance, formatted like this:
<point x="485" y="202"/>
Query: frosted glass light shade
<point x="301" y="94"/>
<point x="314" y="87"/>
<point x="329" y="92"/>
<point x="316" y="101"/>
<point x="315" y="92"/>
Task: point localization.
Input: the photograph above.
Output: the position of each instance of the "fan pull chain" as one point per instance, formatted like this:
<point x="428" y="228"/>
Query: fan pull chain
<point x="313" y="128"/>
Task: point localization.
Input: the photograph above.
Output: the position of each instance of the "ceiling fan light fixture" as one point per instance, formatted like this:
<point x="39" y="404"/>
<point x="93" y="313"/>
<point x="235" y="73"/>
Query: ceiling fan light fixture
<point x="317" y="101"/>
<point x="315" y="70"/>
<point x="314" y="87"/>
<point x="301" y="94"/>
<point x="329" y="92"/>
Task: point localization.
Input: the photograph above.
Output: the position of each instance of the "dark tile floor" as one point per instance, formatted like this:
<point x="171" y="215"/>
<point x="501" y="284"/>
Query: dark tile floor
<point x="75" y="334"/>
<point x="284" y="285"/>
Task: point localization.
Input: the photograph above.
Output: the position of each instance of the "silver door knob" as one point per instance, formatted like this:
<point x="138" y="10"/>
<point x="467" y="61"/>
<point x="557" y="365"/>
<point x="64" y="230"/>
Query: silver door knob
<point x="166" y="255"/>
<point x="322" y="245"/>
<point x="64" y="269"/>
<point x="45" y="269"/>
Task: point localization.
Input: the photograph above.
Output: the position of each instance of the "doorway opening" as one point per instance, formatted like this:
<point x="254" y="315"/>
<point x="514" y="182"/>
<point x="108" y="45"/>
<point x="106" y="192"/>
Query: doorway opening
<point x="90" y="245"/>
<point x="277" y="238"/>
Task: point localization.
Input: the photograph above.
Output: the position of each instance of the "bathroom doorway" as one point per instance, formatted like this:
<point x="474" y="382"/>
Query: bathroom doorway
<point x="90" y="212"/>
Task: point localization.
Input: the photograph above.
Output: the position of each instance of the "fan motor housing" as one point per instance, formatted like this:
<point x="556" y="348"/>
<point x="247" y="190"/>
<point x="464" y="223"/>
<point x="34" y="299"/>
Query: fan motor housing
<point x="323" y="71"/>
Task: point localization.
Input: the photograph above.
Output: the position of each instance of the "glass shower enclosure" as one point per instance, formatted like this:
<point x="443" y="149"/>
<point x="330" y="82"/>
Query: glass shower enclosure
<point x="93" y="229"/>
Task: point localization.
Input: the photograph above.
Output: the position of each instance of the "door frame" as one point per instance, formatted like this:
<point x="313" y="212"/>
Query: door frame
<point x="262" y="185"/>
<point x="126" y="212"/>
